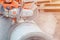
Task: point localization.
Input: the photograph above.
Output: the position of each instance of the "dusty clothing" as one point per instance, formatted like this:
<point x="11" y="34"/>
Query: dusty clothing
<point x="1" y="9"/>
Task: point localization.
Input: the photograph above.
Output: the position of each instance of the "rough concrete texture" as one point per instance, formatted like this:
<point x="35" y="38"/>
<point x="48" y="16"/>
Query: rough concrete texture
<point x="54" y="29"/>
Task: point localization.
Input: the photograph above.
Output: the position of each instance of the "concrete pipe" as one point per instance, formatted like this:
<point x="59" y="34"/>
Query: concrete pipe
<point x="28" y="31"/>
<point x="5" y="25"/>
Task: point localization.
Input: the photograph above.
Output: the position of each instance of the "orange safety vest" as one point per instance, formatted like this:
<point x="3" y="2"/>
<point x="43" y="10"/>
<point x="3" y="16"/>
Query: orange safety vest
<point x="1" y="1"/>
<point x="12" y="4"/>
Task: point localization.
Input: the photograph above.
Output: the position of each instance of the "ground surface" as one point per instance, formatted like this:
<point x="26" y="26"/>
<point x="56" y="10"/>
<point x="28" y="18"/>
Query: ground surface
<point x="56" y="32"/>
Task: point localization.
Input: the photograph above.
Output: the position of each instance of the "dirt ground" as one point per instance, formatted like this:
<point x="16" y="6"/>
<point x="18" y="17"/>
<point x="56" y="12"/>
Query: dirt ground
<point x="41" y="19"/>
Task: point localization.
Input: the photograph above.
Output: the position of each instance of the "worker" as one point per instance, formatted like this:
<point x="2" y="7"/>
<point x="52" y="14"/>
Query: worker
<point x="28" y="9"/>
<point x="10" y="7"/>
<point x="1" y="7"/>
<point x="10" y="4"/>
<point x="29" y="4"/>
<point x="1" y="1"/>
